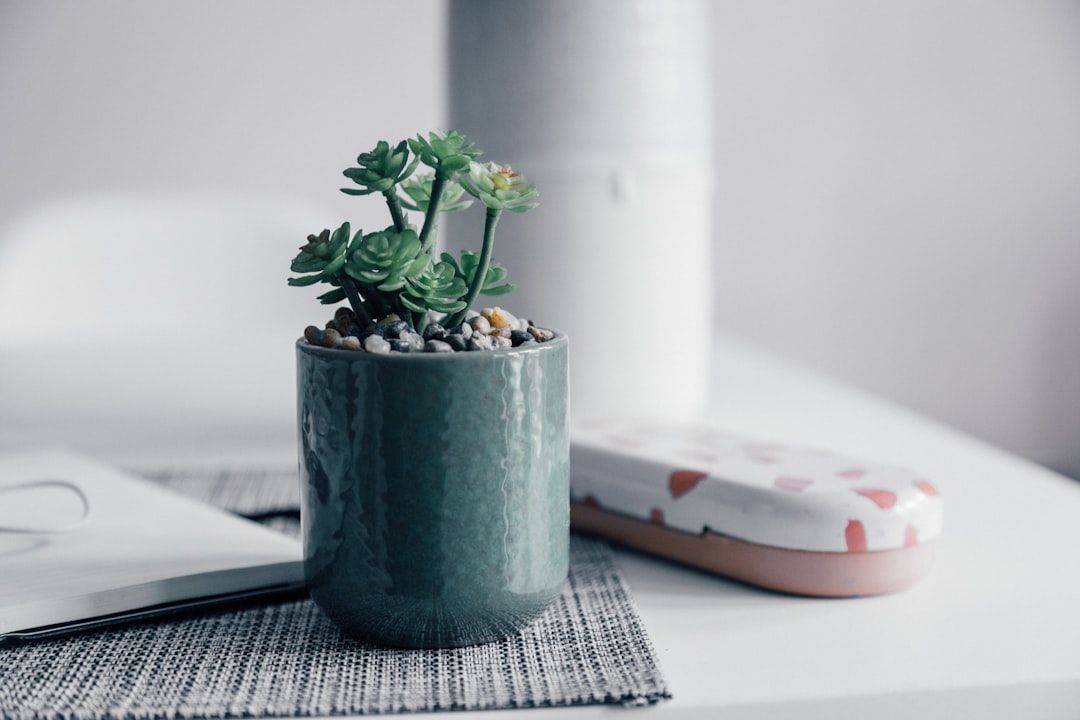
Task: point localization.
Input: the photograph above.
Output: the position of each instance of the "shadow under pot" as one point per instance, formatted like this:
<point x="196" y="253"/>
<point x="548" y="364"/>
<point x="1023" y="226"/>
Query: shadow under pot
<point x="434" y="489"/>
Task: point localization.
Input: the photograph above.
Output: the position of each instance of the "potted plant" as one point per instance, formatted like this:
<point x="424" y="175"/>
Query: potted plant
<point x="433" y="439"/>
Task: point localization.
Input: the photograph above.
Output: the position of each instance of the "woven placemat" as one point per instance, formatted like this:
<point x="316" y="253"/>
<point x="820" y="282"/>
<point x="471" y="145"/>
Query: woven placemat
<point x="287" y="659"/>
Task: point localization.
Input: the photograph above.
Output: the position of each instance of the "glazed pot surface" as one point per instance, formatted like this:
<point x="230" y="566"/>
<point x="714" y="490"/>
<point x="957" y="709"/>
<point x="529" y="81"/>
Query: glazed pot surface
<point x="435" y="489"/>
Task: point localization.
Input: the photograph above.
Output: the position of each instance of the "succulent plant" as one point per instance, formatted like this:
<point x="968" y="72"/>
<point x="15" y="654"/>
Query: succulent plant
<point x="394" y="270"/>
<point x="386" y="258"/>
<point x="418" y="195"/>
<point x="446" y="152"/>
<point x="381" y="168"/>
<point x="467" y="270"/>
<point x="321" y="257"/>
<point x="439" y="287"/>
<point x="499" y="187"/>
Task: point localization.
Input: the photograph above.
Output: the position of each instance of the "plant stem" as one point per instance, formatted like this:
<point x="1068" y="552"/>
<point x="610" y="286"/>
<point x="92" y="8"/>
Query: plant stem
<point x="431" y="217"/>
<point x="377" y="304"/>
<point x="420" y="321"/>
<point x="490" y="220"/>
<point x="353" y="296"/>
<point x="403" y="313"/>
<point x="394" y="203"/>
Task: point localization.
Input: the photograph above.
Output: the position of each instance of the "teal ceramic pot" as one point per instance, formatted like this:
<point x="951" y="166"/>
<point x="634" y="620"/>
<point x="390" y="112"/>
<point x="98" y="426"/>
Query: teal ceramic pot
<point x="434" y="489"/>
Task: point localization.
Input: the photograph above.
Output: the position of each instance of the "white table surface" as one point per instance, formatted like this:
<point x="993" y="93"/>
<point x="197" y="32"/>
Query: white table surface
<point x="993" y="632"/>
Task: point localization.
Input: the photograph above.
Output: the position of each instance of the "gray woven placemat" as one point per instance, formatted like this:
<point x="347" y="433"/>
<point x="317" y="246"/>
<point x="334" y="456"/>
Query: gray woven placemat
<point x="287" y="659"/>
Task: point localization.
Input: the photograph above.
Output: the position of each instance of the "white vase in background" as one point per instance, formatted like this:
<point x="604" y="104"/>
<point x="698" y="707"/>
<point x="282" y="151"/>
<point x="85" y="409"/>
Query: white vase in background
<point x="605" y="106"/>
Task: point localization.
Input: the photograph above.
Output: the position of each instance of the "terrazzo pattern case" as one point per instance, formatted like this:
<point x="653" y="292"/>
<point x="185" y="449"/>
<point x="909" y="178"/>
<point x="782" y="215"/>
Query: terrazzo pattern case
<point x="791" y="519"/>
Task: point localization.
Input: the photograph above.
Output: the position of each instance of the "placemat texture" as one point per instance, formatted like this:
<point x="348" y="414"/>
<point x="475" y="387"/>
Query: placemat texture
<point x="287" y="659"/>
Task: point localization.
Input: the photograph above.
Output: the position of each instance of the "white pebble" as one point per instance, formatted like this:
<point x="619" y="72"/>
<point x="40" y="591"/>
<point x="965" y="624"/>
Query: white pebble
<point x="500" y="318"/>
<point x="480" y="324"/>
<point x="377" y="345"/>
<point x="415" y="340"/>
<point x="479" y="341"/>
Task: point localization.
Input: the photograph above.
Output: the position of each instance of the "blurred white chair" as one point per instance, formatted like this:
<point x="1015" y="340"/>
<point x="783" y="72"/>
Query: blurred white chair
<point x="157" y="318"/>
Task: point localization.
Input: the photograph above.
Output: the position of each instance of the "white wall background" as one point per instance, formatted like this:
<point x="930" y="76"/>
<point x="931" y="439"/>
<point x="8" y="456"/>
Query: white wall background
<point x="900" y="203"/>
<point x="898" y="197"/>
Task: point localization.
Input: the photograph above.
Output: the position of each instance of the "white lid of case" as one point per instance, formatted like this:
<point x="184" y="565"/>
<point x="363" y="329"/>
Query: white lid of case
<point x="697" y="478"/>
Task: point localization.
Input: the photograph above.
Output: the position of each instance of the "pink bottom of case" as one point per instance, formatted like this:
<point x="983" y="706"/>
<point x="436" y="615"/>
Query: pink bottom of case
<point x="801" y="572"/>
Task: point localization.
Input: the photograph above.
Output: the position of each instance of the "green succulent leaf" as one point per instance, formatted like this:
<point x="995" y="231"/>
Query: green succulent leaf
<point x="466" y="270"/>
<point x="322" y="257"/>
<point x="381" y="168"/>
<point x="498" y="290"/>
<point x="417" y="197"/>
<point x="386" y="258"/>
<point x="445" y="152"/>
<point x="391" y="284"/>
<point x="333" y="297"/>
<point x="304" y="281"/>
<point x="499" y="187"/>
<point x="418" y="265"/>
<point x="437" y="288"/>
<point x="495" y="274"/>
<point x="451" y="261"/>
<point x="455" y="164"/>
<point x="411" y="305"/>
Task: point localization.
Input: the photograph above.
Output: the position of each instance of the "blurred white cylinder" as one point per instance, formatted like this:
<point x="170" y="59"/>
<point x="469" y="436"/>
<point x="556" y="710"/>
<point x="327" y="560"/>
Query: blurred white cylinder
<point x="605" y="106"/>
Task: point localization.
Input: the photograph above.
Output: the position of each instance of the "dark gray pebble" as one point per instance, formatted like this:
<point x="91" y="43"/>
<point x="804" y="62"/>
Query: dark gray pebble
<point x="541" y="334"/>
<point x="344" y="320"/>
<point x="392" y="329"/>
<point x="435" y="331"/>
<point x="520" y="337"/>
<point x="438" y="346"/>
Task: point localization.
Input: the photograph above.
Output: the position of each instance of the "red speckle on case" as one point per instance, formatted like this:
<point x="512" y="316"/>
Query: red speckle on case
<point x="926" y="487"/>
<point x="855" y="535"/>
<point x="683" y="481"/>
<point x="884" y="499"/>
<point x="591" y="501"/>
<point x="656" y="517"/>
<point x="793" y="484"/>
<point x="852" y="473"/>
<point x="911" y="536"/>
